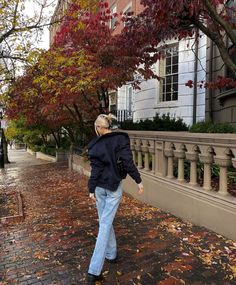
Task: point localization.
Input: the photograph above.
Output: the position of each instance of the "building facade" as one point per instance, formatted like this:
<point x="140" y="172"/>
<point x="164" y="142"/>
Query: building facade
<point x="220" y="103"/>
<point x="58" y="14"/>
<point x="120" y="7"/>
<point x="185" y="61"/>
<point x="170" y="95"/>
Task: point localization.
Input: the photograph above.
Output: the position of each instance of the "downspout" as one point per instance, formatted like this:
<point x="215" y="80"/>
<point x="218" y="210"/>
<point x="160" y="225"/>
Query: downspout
<point x="210" y="92"/>
<point x="195" y="80"/>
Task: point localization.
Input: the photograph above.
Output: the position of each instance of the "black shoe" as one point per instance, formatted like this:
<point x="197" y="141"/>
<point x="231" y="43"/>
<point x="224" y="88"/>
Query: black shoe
<point x="93" y="278"/>
<point x="114" y="260"/>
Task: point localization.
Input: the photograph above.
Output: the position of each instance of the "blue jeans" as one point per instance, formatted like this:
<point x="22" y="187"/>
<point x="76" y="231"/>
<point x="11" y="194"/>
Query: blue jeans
<point x="107" y="204"/>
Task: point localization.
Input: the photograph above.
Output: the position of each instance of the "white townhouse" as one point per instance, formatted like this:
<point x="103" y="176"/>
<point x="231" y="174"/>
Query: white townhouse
<point x="185" y="60"/>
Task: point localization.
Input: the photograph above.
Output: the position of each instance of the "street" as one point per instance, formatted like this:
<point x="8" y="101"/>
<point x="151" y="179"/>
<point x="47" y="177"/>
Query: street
<point x="54" y="243"/>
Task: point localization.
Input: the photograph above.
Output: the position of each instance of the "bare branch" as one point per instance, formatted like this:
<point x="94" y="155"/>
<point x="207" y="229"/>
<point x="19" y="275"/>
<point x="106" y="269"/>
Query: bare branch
<point x="225" y="25"/>
<point x="217" y="39"/>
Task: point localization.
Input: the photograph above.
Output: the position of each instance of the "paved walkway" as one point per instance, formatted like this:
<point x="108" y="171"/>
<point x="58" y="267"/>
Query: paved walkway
<point x="20" y="158"/>
<point x="54" y="243"/>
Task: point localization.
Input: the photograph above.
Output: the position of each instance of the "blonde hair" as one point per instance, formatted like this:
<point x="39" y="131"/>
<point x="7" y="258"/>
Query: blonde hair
<point x="104" y="120"/>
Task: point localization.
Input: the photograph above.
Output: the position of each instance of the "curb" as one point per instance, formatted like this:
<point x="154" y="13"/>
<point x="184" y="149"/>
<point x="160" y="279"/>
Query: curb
<point x="16" y="218"/>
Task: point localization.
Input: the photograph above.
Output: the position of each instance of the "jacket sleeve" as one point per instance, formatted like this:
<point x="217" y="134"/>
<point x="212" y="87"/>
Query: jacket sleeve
<point x="96" y="171"/>
<point x="127" y="157"/>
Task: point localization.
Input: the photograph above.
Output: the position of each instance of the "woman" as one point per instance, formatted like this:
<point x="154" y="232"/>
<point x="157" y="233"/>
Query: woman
<point x="105" y="187"/>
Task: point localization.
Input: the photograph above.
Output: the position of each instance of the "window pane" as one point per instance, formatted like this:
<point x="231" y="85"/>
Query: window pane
<point x="113" y="15"/>
<point x="232" y="52"/>
<point x="168" y="96"/>
<point x="168" y="61"/>
<point x="175" y="60"/>
<point x="175" y="78"/>
<point x="168" y="70"/>
<point x="170" y="83"/>
<point x="164" y="89"/>
<point x="175" y="87"/>
<point x="175" y="69"/>
<point x="168" y="79"/>
<point x="175" y="50"/>
<point x="175" y="96"/>
<point x="168" y="88"/>
<point x="168" y="53"/>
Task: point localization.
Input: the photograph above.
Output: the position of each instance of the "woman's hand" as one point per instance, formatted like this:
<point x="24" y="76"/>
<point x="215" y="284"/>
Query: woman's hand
<point x="140" y="188"/>
<point x="92" y="196"/>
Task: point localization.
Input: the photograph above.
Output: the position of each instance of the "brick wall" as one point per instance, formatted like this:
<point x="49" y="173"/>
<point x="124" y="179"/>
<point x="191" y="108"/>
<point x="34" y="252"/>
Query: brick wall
<point x="58" y="14"/>
<point x="121" y="6"/>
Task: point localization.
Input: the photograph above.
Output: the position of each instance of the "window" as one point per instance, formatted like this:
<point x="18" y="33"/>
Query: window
<point x="129" y="98"/>
<point x="169" y="72"/>
<point x="113" y="101"/>
<point x="231" y="11"/>
<point x="232" y="53"/>
<point x="113" y="17"/>
<point x="127" y="14"/>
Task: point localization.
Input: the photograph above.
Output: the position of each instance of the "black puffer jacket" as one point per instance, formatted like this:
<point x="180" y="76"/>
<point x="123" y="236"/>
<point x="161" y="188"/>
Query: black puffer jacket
<point x="103" y="154"/>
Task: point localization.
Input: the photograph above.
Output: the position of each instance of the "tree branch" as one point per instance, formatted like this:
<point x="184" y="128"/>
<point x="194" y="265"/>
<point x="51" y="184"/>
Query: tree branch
<point x="72" y="113"/>
<point x="78" y="114"/>
<point x="15" y="15"/>
<point x="215" y="16"/>
<point x="217" y="39"/>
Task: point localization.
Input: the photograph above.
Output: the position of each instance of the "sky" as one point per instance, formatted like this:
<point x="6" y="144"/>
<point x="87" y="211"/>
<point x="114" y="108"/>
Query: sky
<point x="30" y="9"/>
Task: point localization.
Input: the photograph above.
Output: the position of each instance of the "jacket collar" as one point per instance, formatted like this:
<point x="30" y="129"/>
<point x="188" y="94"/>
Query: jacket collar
<point x="97" y="139"/>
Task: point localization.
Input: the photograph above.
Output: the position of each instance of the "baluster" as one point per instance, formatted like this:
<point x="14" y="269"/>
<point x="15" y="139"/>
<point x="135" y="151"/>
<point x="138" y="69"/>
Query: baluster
<point x="160" y="159"/>
<point x="132" y="147"/>
<point x="207" y="160"/>
<point x="144" y="149"/>
<point x="180" y="154"/>
<point x="151" y="150"/>
<point x="234" y="162"/>
<point x="233" y="150"/>
<point x="223" y="162"/>
<point x="169" y="153"/>
<point x="193" y="158"/>
<point x="138" y="149"/>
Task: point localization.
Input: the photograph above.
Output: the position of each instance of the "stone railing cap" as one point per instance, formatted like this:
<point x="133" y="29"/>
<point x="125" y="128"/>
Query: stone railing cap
<point x="202" y="138"/>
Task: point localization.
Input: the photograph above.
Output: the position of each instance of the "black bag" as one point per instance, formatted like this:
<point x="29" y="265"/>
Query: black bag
<point x="120" y="166"/>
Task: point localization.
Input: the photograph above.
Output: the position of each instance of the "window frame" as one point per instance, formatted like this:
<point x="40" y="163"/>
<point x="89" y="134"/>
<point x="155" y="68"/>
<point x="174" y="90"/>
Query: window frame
<point x="112" y="22"/>
<point x="127" y="9"/>
<point x="172" y="77"/>
<point x="129" y="97"/>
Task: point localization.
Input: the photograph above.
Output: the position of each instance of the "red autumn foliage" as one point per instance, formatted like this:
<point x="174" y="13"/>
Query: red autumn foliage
<point x="163" y="20"/>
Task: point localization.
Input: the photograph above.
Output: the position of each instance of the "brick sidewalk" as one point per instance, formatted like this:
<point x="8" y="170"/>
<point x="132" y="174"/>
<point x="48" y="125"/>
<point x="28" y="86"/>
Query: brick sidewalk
<point x="55" y="242"/>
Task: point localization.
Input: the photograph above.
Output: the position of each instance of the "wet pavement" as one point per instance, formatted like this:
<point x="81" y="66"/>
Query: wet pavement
<point x="20" y="158"/>
<point x="54" y="243"/>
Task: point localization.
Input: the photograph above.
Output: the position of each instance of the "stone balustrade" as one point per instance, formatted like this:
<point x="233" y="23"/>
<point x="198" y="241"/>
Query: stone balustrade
<point x="176" y="169"/>
<point x="164" y="154"/>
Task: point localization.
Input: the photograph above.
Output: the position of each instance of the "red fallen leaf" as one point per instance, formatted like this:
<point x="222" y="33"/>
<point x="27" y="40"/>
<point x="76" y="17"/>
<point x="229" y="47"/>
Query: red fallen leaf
<point x="177" y="266"/>
<point x="41" y="255"/>
<point x="152" y="233"/>
<point x="171" y="281"/>
<point x="40" y="274"/>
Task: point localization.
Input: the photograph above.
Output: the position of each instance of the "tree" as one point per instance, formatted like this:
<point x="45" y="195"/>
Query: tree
<point x="66" y="78"/>
<point x="162" y="20"/>
<point x="50" y="95"/>
<point x="24" y="100"/>
<point x="69" y="84"/>
<point x="113" y="64"/>
<point x="21" y="24"/>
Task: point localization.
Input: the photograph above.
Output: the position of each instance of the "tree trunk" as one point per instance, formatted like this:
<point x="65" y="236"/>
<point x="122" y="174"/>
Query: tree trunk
<point x="56" y="139"/>
<point x="6" y="160"/>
